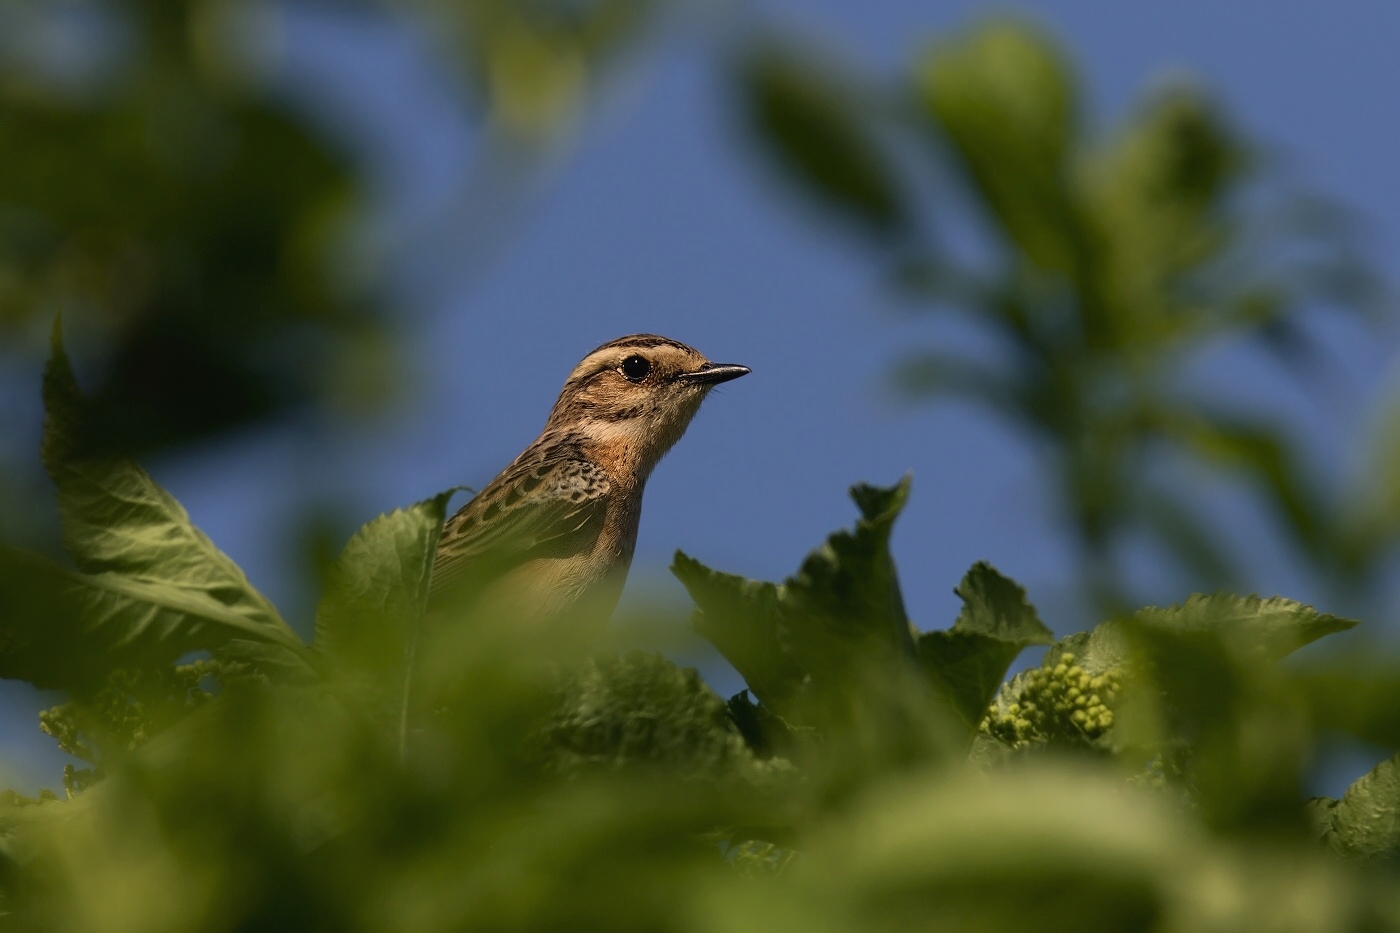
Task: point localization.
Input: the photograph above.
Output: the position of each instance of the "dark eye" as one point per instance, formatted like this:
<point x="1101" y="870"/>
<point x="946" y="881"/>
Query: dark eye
<point x="636" y="368"/>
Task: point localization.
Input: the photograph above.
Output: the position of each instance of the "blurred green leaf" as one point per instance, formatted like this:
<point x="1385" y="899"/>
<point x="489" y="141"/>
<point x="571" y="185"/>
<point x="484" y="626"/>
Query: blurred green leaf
<point x="369" y="623"/>
<point x="1157" y="194"/>
<point x="1357" y="693"/>
<point x="1004" y="98"/>
<point x="177" y="215"/>
<point x="1205" y="699"/>
<point x="969" y="661"/>
<point x="40" y="628"/>
<point x="1266" y="455"/>
<point x="818" y="130"/>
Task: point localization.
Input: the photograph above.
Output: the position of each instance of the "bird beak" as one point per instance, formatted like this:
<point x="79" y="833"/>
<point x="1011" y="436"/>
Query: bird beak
<point x="714" y="373"/>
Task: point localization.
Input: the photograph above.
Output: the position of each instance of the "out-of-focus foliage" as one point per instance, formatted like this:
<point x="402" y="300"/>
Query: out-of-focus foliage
<point x="533" y="65"/>
<point x="176" y="216"/>
<point x="417" y="770"/>
<point x="161" y="194"/>
<point x="1108" y="265"/>
<point x="518" y="786"/>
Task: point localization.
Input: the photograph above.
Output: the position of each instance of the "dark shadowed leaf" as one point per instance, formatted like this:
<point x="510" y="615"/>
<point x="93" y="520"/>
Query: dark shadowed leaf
<point x="740" y="617"/>
<point x="1357" y="693"/>
<point x="41" y="627"/>
<point x="818" y="131"/>
<point x="1205" y="695"/>
<point x="370" y="621"/>
<point x="845" y="600"/>
<point x="969" y="660"/>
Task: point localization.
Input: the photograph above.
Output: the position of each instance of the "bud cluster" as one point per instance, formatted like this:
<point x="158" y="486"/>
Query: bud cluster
<point x="1057" y="701"/>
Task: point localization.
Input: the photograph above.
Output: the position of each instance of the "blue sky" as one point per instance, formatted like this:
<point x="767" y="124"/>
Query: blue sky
<point x="660" y="220"/>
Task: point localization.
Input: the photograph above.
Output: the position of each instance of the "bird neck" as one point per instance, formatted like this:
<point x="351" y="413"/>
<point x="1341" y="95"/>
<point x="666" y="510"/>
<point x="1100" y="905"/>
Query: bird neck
<point x="628" y="455"/>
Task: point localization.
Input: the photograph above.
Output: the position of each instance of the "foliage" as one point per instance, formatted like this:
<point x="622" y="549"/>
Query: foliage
<point x="187" y="224"/>
<point x="426" y="771"/>
<point x="164" y="195"/>
<point x="415" y="770"/>
<point x="1104" y="269"/>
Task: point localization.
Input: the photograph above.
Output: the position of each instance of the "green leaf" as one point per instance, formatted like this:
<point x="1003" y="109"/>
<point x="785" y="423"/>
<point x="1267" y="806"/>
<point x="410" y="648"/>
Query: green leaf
<point x="1365" y="823"/>
<point x="996" y="623"/>
<point x="819" y="132"/>
<point x="1005" y="100"/>
<point x="1276" y="627"/>
<point x="641" y="710"/>
<point x="740" y="617"/>
<point x="41" y="629"/>
<point x="1158" y="193"/>
<point x="1357" y="693"/>
<point x="1206" y="697"/>
<point x="150" y="582"/>
<point x="828" y="630"/>
<point x="1264" y="454"/>
<point x="370" y="621"/>
<point x="845" y="600"/>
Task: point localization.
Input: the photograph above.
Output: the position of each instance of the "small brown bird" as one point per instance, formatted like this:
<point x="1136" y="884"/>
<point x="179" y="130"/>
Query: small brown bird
<point x="551" y="537"/>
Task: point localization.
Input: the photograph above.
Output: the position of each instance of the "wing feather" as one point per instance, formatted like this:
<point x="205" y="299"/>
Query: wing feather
<point x="534" y="508"/>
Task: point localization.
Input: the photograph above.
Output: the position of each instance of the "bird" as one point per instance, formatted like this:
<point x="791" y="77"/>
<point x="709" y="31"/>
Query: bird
<point x="549" y="541"/>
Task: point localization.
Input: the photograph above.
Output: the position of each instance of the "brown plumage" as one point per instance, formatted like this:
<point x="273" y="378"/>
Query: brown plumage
<point x="551" y="537"/>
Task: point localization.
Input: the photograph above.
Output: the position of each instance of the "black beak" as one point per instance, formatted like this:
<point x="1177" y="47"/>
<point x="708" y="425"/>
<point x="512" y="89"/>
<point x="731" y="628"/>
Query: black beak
<point x="714" y="374"/>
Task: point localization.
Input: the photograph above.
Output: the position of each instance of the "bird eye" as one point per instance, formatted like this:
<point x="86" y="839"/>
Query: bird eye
<point x="636" y="368"/>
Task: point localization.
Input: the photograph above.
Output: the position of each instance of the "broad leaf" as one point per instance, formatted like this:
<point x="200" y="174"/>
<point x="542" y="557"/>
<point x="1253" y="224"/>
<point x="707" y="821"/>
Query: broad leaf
<point x="1366" y="822"/>
<point x="845" y="599"/>
<point x="150" y="582"/>
<point x="740" y="617"/>
<point x="1276" y="627"/>
<point x="117" y="520"/>
<point x="968" y="661"/>
<point x="370" y="621"/>
<point x="840" y="612"/>
<point x="1357" y="693"/>
<point x="1204" y="695"/>
<point x="820" y="133"/>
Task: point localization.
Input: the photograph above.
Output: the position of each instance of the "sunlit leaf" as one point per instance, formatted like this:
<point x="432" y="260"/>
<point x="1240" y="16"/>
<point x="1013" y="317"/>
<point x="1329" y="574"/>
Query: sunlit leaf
<point x="1275" y="627"/>
<point x="150" y="585"/>
<point x="1365" y="822"/>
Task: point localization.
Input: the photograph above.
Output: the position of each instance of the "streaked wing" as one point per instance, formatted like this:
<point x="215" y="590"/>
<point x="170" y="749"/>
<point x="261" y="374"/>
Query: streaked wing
<point x="532" y="509"/>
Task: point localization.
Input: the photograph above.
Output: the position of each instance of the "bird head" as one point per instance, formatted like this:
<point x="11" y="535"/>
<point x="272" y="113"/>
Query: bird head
<point x="636" y="395"/>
